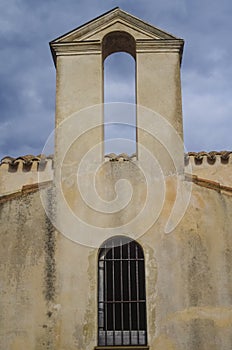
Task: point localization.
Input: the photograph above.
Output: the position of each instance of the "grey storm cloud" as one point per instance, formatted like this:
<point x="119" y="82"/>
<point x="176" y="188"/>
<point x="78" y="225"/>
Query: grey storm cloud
<point x="27" y="73"/>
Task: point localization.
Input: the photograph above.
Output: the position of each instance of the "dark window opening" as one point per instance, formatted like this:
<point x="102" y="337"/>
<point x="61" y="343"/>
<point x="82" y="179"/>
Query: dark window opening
<point x="121" y="294"/>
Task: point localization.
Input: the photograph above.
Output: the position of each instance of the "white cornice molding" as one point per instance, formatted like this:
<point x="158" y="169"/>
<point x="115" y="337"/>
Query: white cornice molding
<point x="75" y="48"/>
<point x="160" y="46"/>
<point x="164" y="46"/>
<point x="123" y="18"/>
<point x="94" y="47"/>
<point x="99" y="23"/>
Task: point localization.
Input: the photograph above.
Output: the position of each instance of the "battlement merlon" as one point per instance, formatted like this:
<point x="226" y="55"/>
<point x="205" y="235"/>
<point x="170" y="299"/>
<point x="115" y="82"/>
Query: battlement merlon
<point x="26" y="170"/>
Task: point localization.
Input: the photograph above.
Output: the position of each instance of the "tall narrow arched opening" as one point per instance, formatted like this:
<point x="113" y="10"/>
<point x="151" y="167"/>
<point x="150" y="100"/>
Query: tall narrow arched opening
<point x="119" y="93"/>
<point x="121" y="293"/>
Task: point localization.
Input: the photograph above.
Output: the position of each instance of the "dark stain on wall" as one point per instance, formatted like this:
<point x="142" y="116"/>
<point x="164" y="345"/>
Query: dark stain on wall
<point x="199" y="277"/>
<point x="50" y="249"/>
<point x="199" y="338"/>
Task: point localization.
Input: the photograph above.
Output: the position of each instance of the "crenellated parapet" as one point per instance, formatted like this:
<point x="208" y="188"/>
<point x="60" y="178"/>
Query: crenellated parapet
<point x="215" y="166"/>
<point x="25" y="170"/>
<point x="27" y="162"/>
<point x="201" y="158"/>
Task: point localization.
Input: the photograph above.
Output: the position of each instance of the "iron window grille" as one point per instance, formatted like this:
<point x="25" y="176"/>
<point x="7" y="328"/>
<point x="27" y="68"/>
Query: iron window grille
<point x="121" y="294"/>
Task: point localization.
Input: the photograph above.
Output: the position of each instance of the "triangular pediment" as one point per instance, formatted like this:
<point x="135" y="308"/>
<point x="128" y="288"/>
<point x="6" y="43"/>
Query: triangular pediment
<point x="114" y="20"/>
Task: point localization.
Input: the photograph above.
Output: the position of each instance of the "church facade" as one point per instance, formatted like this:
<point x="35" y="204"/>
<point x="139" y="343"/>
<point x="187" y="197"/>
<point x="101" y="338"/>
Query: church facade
<point x="105" y="251"/>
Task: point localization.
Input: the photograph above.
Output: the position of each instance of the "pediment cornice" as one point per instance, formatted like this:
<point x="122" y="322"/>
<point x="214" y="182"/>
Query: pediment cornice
<point x="110" y="18"/>
<point x="87" y="39"/>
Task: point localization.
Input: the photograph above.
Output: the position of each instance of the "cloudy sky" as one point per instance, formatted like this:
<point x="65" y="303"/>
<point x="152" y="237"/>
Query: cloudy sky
<point x="27" y="73"/>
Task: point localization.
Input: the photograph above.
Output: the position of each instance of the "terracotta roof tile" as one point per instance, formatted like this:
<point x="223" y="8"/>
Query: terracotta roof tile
<point x="27" y="159"/>
<point x="112" y="157"/>
<point x="198" y="157"/>
<point x="210" y="156"/>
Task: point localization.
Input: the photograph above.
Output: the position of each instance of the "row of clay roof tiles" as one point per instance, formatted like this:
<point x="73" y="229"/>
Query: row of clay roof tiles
<point x="210" y="156"/>
<point x="198" y="157"/>
<point x="27" y="159"/>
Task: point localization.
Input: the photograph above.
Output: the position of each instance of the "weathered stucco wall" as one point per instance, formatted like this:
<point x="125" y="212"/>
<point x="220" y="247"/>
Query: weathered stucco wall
<point x="14" y="176"/>
<point x="216" y="168"/>
<point x="49" y="282"/>
<point x="50" y="236"/>
<point x="14" y="173"/>
<point x="27" y="272"/>
<point x="193" y="291"/>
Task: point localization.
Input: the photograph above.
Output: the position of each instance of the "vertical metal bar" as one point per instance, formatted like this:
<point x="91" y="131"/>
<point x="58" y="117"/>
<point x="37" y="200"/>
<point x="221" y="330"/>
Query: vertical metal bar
<point x="105" y="295"/>
<point x="113" y="294"/>
<point x="121" y="277"/>
<point x="101" y="294"/>
<point x="129" y="288"/>
<point x="137" y="290"/>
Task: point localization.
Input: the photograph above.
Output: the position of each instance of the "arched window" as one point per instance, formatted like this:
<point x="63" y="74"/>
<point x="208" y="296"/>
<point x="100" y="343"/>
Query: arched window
<point x="121" y="293"/>
<point x="119" y="86"/>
